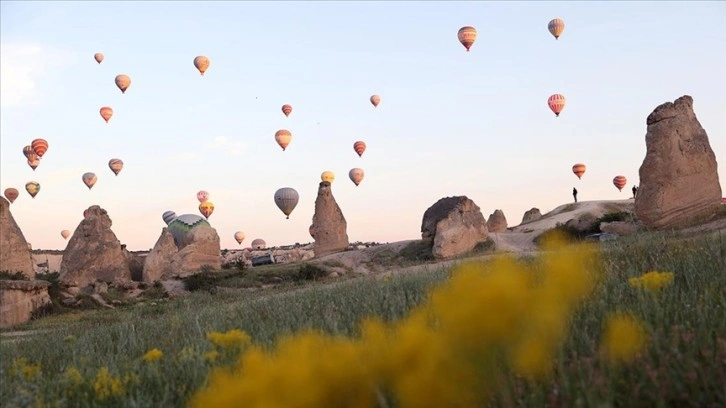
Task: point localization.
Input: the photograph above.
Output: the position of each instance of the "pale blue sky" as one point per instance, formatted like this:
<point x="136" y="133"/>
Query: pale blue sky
<point x="449" y="122"/>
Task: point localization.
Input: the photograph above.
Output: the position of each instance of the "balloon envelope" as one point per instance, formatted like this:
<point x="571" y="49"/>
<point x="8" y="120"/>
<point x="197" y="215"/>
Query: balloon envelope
<point x="286" y="199"/>
<point x="201" y="63"/>
<point x="356" y="175"/>
<point x="168" y="216"/>
<point x="283" y="138"/>
<point x="116" y="165"/>
<point x="40" y="146"/>
<point x="34" y="163"/>
<point x="123" y="82"/>
<point x="29" y="152"/>
<point x="286" y="109"/>
<point x="65" y="234"/>
<point x="258" y="243"/>
<point x="32" y="187"/>
<point x="556" y="102"/>
<point x="106" y="113"/>
<point x="467" y="36"/>
<point x="328" y="176"/>
<point x="375" y="100"/>
<point x="11" y="194"/>
<point x="239" y="236"/>
<point x="359" y="147"/>
<point x="579" y="170"/>
<point x="89" y="179"/>
<point x="556" y="27"/>
<point x="98" y="57"/>
<point x="202" y="196"/>
<point x="206" y="208"/>
<point x="620" y="182"/>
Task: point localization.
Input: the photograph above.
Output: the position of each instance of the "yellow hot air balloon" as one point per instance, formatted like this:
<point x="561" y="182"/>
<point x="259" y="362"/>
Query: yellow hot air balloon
<point x="116" y="165"/>
<point x="65" y="234"/>
<point x="202" y="64"/>
<point x="123" y="82"/>
<point x="556" y="27"/>
<point x="287" y="109"/>
<point x="579" y="170"/>
<point x="98" y="57"/>
<point x="467" y="36"/>
<point x="89" y="179"/>
<point x="206" y="208"/>
<point x="106" y="113"/>
<point x="32" y="187"/>
<point x="375" y="100"/>
<point x="327" y="176"/>
<point x="283" y="138"/>
<point x="356" y="175"/>
<point x="239" y="236"/>
<point x="286" y="199"/>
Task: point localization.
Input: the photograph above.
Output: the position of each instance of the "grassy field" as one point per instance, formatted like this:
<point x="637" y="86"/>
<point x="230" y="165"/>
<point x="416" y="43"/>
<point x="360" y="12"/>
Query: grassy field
<point x="477" y="340"/>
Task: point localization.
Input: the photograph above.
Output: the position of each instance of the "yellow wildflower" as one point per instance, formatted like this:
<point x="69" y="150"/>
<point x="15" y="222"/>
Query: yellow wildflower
<point x="73" y="377"/>
<point x="623" y="337"/>
<point x="211" y="356"/>
<point x="153" y="355"/>
<point x="234" y="338"/>
<point x="652" y="281"/>
<point x="21" y="368"/>
<point x="106" y="385"/>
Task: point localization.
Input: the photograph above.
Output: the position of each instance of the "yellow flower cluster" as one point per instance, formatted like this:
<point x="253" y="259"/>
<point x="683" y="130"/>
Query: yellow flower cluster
<point x="623" y="338"/>
<point x="106" y="385"/>
<point x="232" y="339"/>
<point x="21" y="368"/>
<point x="153" y="355"/>
<point x="447" y="352"/>
<point x="652" y="281"/>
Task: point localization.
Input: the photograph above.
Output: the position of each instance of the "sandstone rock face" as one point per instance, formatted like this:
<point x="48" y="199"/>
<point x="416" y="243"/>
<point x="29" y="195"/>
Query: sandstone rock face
<point x="532" y="215"/>
<point x="497" y="222"/>
<point x="94" y="252"/>
<point x="619" y="227"/>
<point x="197" y="248"/>
<point x="679" y="175"/>
<point x="18" y="300"/>
<point x="330" y="225"/>
<point x="15" y="255"/>
<point x="582" y="223"/>
<point x="456" y="225"/>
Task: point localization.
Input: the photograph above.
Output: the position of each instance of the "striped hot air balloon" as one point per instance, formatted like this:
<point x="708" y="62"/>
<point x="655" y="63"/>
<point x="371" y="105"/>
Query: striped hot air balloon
<point x="34" y="163"/>
<point x="467" y="36"/>
<point x="286" y="199"/>
<point x="116" y="165"/>
<point x="356" y="175"/>
<point x="579" y="170"/>
<point x="359" y="147"/>
<point x="556" y="27"/>
<point x="106" y="113"/>
<point x="11" y="194"/>
<point x="168" y="217"/>
<point x="556" y="102"/>
<point x="287" y="109"/>
<point x="620" y="182"/>
<point x="283" y="138"/>
<point x="29" y="152"/>
<point x="40" y="146"/>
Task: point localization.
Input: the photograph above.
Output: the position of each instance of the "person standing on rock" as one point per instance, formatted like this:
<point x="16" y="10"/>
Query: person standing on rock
<point x="635" y="190"/>
<point x="574" y="193"/>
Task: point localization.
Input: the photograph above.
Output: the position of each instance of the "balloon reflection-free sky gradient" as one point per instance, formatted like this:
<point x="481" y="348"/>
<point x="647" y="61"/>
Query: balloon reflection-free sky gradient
<point x="449" y="122"/>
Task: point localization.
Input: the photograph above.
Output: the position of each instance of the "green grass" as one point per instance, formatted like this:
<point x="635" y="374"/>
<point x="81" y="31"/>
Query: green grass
<point x="682" y="366"/>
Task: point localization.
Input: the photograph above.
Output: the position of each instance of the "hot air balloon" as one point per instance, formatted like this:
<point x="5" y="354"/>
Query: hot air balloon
<point x="168" y="216"/>
<point x="239" y="236"/>
<point x="467" y="36"/>
<point x="29" y="152"/>
<point x="89" y="179"/>
<point x="556" y="102"/>
<point x="356" y="175"/>
<point x="286" y="199"/>
<point x="98" y="57"/>
<point x="283" y="137"/>
<point x="359" y="147"/>
<point x="287" y="109"/>
<point x="106" y="113"/>
<point x="328" y="176"/>
<point x="206" y="208"/>
<point x="11" y="194"/>
<point x="65" y="234"/>
<point x="311" y="230"/>
<point x="116" y="165"/>
<point x="202" y="196"/>
<point x="620" y="182"/>
<point x="375" y="100"/>
<point x="40" y="146"/>
<point x="579" y="170"/>
<point x="556" y="27"/>
<point x="202" y="64"/>
<point x="258" y="243"/>
<point x="34" y="163"/>
<point x="123" y="82"/>
<point x="32" y="187"/>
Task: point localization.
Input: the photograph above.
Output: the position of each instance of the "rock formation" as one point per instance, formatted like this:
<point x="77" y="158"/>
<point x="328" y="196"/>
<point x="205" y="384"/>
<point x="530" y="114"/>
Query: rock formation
<point x="15" y="255"/>
<point x="531" y="215"/>
<point x="94" y="252"/>
<point x="186" y="246"/>
<point x="19" y="299"/>
<point x="497" y="222"/>
<point x="330" y="225"/>
<point x="456" y="225"/>
<point x="679" y="175"/>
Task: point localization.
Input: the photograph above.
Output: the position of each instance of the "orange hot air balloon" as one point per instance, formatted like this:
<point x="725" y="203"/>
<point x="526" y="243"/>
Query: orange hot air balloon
<point x="556" y="27"/>
<point x="356" y="175"/>
<point x="89" y="179"/>
<point x="467" y="36"/>
<point x="106" y="113"/>
<point x="116" y="165"/>
<point x="556" y="102"/>
<point x="40" y="146"/>
<point x="359" y="147"/>
<point x="206" y="208"/>
<point x="202" y="64"/>
<point x="283" y="138"/>
<point x="34" y="163"/>
<point x="29" y="152"/>
<point x="620" y="182"/>
<point x="11" y="194"/>
<point x="65" y="234"/>
<point x="123" y="82"/>
<point x="287" y="109"/>
<point x="98" y="57"/>
<point x="579" y="170"/>
<point x="375" y="100"/>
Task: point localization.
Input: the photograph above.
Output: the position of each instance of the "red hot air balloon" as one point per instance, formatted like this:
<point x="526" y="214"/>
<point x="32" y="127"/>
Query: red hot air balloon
<point x="467" y="36"/>
<point x="579" y="170"/>
<point x="287" y="109"/>
<point x="11" y="194"/>
<point x="556" y="102"/>
<point x="620" y="182"/>
<point x="359" y="147"/>
<point x="106" y="113"/>
<point x="40" y="146"/>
